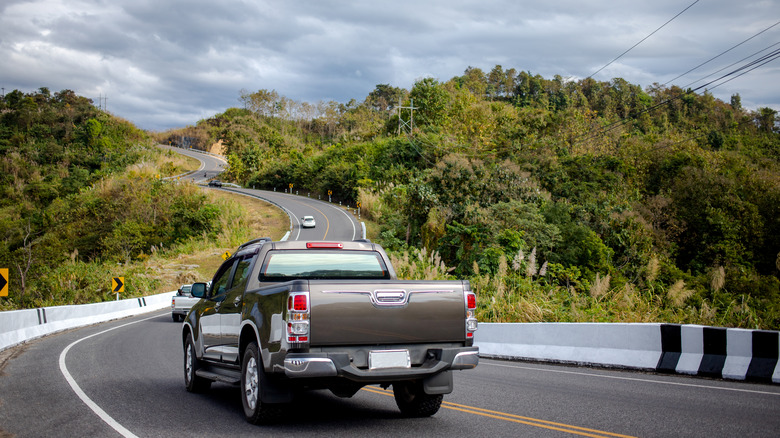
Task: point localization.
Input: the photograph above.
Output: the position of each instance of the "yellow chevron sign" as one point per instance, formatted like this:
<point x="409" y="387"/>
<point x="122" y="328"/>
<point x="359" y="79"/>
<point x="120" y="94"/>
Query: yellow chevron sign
<point x="4" y="282"/>
<point x="118" y="284"/>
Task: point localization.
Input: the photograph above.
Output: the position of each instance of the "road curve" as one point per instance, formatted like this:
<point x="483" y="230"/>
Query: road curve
<point x="333" y="221"/>
<point x="210" y="165"/>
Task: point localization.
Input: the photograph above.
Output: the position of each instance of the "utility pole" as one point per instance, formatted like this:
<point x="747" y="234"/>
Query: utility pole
<point x="403" y="123"/>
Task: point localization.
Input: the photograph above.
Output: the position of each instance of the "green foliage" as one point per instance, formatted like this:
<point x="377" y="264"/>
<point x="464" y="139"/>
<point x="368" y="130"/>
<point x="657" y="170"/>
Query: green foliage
<point x="80" y="195"/>
<point x="601" y="190"/>
<point x="561" y="200"/>
<point x="431" y="99"/>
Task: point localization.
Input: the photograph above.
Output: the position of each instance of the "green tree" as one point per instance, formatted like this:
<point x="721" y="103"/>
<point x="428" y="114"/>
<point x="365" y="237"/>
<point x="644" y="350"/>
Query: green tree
<point x="431" y="100"/>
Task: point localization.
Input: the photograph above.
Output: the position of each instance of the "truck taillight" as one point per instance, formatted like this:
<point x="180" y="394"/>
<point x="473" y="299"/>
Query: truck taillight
<point x="471" y="315"/>
<point x="298" y="303"/>
<point x="471" y="300"/>
<point x="298" y="319"/>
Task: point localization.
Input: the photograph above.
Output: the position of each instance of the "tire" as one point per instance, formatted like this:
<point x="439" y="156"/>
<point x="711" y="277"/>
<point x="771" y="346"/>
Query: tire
<point x="192" y="381"/>
<point x="413" y="401"/>
<point x="252" y="385"/>
<point x="175" y="317"/>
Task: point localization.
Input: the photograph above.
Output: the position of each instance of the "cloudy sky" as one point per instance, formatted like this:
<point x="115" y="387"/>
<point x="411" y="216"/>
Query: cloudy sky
<point x="170" y="63"/>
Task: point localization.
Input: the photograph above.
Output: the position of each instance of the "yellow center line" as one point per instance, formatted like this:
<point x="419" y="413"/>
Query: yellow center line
<point x="576" y="430"/>
<point x="327" y="222"/>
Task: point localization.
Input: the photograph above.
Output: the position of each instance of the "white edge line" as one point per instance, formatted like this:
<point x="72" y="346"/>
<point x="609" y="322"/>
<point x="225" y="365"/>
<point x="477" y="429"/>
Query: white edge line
<point x="352" y="222"/>
<point x="275" y="204"/>
<point x="634" y="379"/>
<point x="83" y="396"/>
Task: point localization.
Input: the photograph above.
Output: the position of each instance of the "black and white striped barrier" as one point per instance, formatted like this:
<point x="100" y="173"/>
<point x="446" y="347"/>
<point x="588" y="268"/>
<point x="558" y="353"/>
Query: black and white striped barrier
<point x="17" y="326"/>
<point x="736" y="354"/>
<point x="720" y="352"/>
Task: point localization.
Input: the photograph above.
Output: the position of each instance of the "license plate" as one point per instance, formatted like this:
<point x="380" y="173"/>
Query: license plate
<point x="389" y="359"/>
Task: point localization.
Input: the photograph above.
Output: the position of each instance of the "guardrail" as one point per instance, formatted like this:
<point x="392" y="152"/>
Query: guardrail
<point x="17" y="326"/>
<point x="735" y="354"/>
<point x="728" y="353"/>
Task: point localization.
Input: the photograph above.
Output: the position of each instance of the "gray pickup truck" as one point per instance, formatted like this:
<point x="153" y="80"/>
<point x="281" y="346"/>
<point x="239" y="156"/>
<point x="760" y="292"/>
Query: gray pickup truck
<point x="281" y="317"/>
<point x="182" y="302"/>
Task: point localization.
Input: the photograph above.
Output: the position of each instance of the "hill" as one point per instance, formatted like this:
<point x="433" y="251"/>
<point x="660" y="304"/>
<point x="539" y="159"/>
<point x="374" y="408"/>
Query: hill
<point x="84" y="200"/>
<point x="560" y="200"/>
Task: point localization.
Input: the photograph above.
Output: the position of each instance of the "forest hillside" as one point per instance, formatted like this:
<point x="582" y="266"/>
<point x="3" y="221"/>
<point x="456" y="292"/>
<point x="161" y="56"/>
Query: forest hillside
<point x="561" y="200"/>
<point x="84" y="198"/>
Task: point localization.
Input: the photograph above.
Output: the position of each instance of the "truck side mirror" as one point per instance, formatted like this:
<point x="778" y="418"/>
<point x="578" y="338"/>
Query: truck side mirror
<point x="198" y="290"/>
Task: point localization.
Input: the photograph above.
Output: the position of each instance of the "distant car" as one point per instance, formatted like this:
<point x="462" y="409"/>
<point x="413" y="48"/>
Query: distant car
<point x="182" y="302"/>
<point x="215" y="183"/>
<point x="308" y="222"/>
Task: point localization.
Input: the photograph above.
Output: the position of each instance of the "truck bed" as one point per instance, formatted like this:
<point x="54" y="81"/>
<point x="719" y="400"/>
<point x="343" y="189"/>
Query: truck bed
<point x="386" y="312"/>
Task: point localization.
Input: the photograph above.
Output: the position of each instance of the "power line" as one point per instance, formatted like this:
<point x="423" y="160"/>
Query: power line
<point x="643" y="39"/>
<point x="747" y="68"/>
<point x="722" y="53"/>
<point x="730" y="65"/>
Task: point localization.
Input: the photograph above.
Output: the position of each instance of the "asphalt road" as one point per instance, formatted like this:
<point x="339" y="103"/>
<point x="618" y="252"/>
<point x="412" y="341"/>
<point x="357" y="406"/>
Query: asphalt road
<point x="332" y="221"/>
<point x="131" y="370"/>
<point x="125" y="378"/>
<point x="210" y="165"/>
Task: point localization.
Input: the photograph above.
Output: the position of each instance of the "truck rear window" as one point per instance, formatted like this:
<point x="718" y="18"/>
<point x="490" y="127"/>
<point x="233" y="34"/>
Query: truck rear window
<point x="323" y="265"/>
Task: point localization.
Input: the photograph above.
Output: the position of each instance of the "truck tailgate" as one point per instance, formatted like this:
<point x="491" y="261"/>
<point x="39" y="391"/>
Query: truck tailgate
<point x="386" y="312"/>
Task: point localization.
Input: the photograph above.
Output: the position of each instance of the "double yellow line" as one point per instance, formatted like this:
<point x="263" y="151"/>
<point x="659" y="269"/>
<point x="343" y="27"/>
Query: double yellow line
<point x="575" y="430"/>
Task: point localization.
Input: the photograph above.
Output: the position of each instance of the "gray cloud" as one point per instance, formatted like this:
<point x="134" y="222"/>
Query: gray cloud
<point x="166" y="64"/>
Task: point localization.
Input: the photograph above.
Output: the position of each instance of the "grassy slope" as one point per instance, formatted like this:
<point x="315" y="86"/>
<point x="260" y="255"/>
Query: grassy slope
<point x="199" y="261"/>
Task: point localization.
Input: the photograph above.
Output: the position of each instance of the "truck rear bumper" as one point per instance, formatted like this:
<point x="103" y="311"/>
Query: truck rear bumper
<point x="307" y="365"/>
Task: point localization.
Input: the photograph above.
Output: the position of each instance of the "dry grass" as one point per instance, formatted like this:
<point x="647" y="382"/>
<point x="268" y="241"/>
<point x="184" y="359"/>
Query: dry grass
<point x="419" y="265"/>
<point x="677" y="294"/>
<point x="717" y="278"/>
<point x="250" y="218"/>
<point x="600" y="286"/>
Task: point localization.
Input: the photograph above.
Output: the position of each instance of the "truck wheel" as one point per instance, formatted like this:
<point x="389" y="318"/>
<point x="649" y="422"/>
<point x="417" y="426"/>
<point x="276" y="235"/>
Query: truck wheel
<point x="193" y="382"/>
<point x="252" y="383"/>
<point x="175" y="317"/>
<point x="413" y="401"/>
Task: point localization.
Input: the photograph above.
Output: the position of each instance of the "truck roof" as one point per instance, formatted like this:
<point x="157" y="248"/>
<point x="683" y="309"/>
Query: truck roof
<point x="254" y="245"/>
<point x="303" y="244"/>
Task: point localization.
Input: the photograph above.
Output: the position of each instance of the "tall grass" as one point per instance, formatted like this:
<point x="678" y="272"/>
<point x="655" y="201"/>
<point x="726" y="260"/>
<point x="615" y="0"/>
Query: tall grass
<point x="511" y="294"/>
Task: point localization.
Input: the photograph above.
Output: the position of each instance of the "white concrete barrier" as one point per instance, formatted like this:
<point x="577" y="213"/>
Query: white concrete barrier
<point x="618" y="345"/>
<point x="687" y="349"/>
<point x="692" y="349"/>
<point x="17" y="326"/>
<point x="718" y="352"/>
<point x="739" y="353"/>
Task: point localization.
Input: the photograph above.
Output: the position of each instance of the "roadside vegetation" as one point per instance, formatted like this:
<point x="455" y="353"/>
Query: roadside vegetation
<point x="84" y="199"/>
<point x="560" y="200"/>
